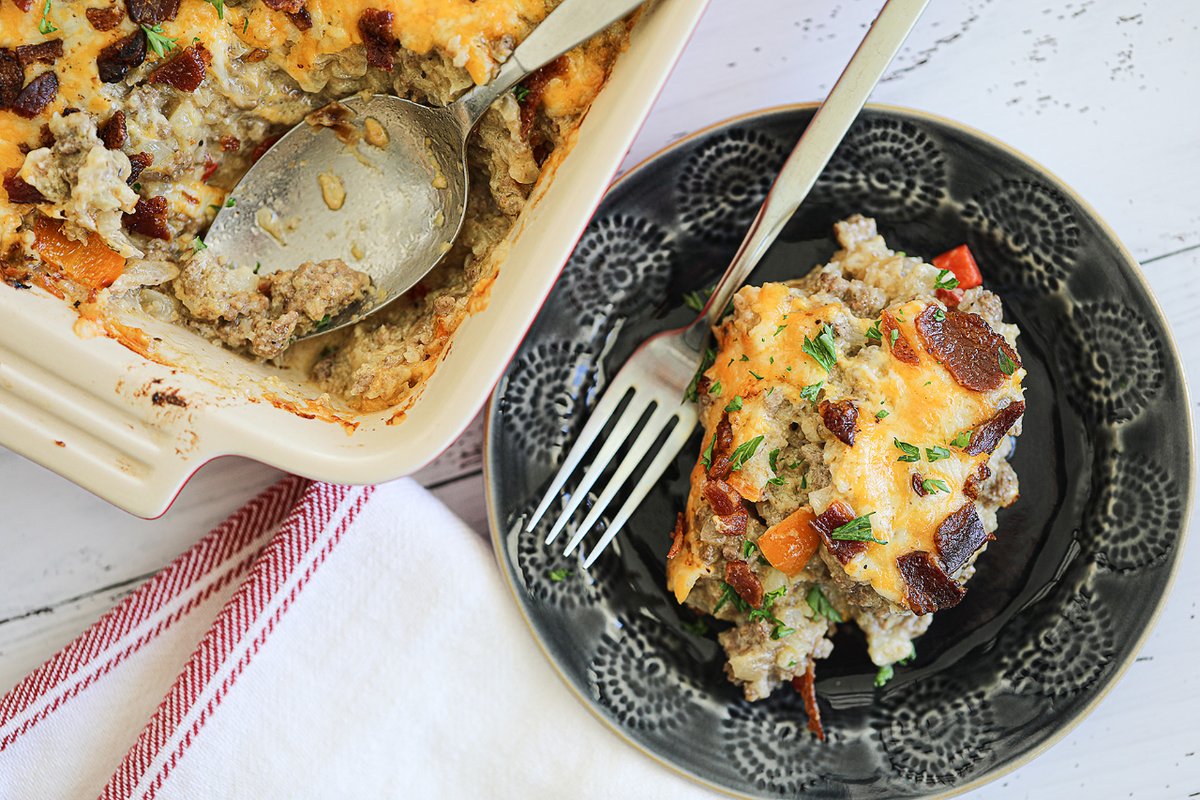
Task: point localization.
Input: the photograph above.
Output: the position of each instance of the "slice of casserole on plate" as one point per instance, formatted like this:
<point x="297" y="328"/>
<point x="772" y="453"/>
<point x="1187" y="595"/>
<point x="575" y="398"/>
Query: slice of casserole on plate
<point x="857" y="424"/>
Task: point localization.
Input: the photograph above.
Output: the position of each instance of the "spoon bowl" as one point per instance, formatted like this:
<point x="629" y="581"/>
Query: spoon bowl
<point x="384" y="189"/>
<point x="379" y="181"/>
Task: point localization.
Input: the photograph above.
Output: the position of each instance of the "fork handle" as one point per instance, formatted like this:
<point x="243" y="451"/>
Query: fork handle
<point x="816" y="146"/>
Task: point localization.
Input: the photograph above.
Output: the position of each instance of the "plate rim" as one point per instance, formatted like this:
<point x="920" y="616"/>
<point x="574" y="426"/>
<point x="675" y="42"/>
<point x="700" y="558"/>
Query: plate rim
<point x="1133" y="268"/>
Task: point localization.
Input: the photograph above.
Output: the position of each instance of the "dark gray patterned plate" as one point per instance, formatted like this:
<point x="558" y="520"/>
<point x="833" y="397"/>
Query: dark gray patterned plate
<point x="1062" y="599"/>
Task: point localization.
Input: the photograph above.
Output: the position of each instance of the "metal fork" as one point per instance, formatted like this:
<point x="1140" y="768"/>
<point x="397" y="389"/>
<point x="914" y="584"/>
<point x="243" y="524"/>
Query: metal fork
<point x="656" y="375"/>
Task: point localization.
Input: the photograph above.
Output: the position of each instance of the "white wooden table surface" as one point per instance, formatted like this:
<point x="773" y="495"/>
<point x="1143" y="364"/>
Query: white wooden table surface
<point x="1104" y="92"/>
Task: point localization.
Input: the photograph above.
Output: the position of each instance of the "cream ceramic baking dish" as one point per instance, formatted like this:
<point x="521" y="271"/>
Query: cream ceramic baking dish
<point x="131" y="430"/>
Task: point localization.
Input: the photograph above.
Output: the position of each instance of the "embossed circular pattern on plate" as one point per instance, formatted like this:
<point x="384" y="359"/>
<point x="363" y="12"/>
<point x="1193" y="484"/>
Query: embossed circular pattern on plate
<point x="1062" y="596"/>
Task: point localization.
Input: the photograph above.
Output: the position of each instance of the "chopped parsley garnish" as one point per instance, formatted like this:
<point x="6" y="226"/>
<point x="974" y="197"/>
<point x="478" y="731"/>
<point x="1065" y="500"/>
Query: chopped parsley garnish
<point x="772" y="459"/>
<point x="821" y="606"/>
<point x="770" y="390"/>
<point x="257" y="266"/>
<point x="744" y="357"/>
<point x="198" y="244"/>
<point x="779" y="330"/>
<point x="756" y="375"/>
<point x="324" y="323"/>
<point x="823" y="350"/>
<point x="158" y="41"/>
<point x="895" y="334"/>
<point x="1006" y="364"/>
<point x="559" y="575"/>
<point x="706" y="361"/>
<point x="743" y="453"/>
<point x="706" y="456"/>
<point x="873" y="331"/>
<point x="729" y="595"/>
<point x="962" y="440"/>
<point x="811" y="391"/>
<point x="856" y="530"/>
<point x="939" y="315"/>
<point x="231" y="202"/>
<point x="945" y="280"/>
<point x="521" y="92"/>
<point x="219" y="5"/>
<point x="245" y="24"/>
<point x="881" y="413"/>
<point x="804" y="480"/>
<point x="734" y="405"/>
<point x="908" y="659"/>
<point x="911" y="452"/>
<point x="934" y="485"/>
<point x="936" y="453"/>
<point x="781" y="631"/>
<point x="885" y="674"/>
<point x="748" y="548"/>
<point x="715" y="389"/>
<point x="45" y="26"/>
<point x="697" y="628"/>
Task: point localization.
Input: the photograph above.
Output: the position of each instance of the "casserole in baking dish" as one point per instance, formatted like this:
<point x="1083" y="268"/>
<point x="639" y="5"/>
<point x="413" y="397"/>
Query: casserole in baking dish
<point x="132" y="425"/>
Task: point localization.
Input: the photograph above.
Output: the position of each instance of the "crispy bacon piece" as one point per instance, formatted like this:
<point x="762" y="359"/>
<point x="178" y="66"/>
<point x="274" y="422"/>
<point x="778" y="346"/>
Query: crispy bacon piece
<point x="301" y="19"/>
<point x="929" y="587"/>
<point x="36" y="95"/>
<point x="12" y="77"/>
<point x="104" y="19"/>
<point x="290" y="6"/>
<point x="959" y="536"/>
<point x="731" y="515"/>
<point x="975" y="479"/>
<point x="231" y="144"/>
<point x="151" y="12"/>
<point x="149" y="218"/>
<point x="723" y="498"/>
<point x="720" y="466"/>
<point x="535" y="85"/>
<point x="138" y="161"/>
<point x="902" y="348"/>
<point x="44" y="52"/>
<point x="967" y="346"/>
<point x="806" y="685"/>
<point x="256" y="55"/>
<point x="24" y="5"/>
<point x="19" y="191"/>
<point x="841" y="418"/>
<point x="951" y="297"/>
<point x="834" y="517"/>
<point x="376" y="29"/>
<point x="114" y="132"/>
<point x="741" y="577"/>
<point x="918" y="485"/>
<point x="185" y="71"/>
<point x="120" y="57"/>
<point x="676" y="537"/>
<point x="987" y="436"/>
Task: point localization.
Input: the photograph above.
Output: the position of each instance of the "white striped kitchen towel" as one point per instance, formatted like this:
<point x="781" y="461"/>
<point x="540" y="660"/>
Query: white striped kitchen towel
<point x="324" y="642"/>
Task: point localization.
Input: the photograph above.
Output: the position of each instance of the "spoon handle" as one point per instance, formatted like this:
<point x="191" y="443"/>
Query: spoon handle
<point x="570" y="23"/>
<point x="816" y="146"/>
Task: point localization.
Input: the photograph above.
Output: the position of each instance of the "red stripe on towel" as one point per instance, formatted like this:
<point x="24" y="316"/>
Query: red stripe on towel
<point x="79" y="664"/>
<point x="290" y="549"/>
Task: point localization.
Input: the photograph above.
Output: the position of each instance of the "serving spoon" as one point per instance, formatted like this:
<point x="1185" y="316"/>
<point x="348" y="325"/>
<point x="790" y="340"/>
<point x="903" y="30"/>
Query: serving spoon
<point x="383" y="182"/>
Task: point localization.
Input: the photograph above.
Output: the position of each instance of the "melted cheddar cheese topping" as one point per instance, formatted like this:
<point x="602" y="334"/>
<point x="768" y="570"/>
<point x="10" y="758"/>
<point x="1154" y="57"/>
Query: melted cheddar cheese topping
<point x="762" y="360"/>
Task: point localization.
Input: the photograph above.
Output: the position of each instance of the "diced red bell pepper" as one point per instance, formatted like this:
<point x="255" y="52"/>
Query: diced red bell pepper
<point x="962" y="264"/>
<point x="210" y="167"/>
<point x="951" y="297"/>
